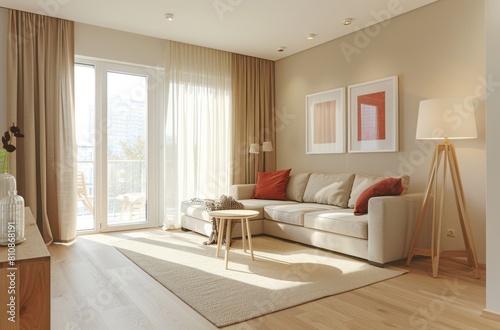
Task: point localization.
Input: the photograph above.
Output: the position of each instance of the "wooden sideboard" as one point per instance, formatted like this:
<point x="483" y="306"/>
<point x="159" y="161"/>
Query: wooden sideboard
<point x="29" y="288"/>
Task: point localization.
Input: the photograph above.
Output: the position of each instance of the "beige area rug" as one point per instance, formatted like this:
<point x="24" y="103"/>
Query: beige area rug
<point x="284" y="274"/>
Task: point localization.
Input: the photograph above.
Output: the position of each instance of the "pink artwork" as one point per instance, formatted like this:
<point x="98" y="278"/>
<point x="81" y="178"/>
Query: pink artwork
<point x="324" y="122"/>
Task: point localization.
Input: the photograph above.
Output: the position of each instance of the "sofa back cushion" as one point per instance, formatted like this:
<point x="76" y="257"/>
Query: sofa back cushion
<point x="296" y="186"/>
<point x="332" y="189"/>
<point x="363" y="182"/>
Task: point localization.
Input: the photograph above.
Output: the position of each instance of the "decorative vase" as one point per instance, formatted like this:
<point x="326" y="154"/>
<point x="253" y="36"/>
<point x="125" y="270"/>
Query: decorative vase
<point x="12" y="219"/>
<point x="7" y="184"/>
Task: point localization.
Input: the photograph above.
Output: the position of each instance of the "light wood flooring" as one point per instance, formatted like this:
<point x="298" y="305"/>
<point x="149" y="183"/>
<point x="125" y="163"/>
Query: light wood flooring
<point x="95" y="287"/>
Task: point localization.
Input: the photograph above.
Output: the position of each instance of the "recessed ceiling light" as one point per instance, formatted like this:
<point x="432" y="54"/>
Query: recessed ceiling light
<point x="281" y="49"/>
<point x="169" y="17"/>
<point x="347" y="21"/>
<point x="311" y="36"/>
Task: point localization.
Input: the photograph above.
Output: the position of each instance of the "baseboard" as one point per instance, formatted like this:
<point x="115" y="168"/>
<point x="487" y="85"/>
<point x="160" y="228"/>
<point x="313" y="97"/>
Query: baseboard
<point x="490" y="315"/>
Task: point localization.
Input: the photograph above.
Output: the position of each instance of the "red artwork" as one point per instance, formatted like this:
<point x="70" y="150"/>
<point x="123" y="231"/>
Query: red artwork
<point x="371" y="116"/>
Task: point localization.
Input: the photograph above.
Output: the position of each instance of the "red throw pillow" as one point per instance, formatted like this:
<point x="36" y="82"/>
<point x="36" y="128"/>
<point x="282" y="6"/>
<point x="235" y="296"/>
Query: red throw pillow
<point x="271" y="185"/>
<point x="386" y="187"/>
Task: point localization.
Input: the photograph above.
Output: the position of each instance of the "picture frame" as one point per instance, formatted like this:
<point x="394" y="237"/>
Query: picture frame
<point x="373" y="116"/>
<point x="326" y="122"/>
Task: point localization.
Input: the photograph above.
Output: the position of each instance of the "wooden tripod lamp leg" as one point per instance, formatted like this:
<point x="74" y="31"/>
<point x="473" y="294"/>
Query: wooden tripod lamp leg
<point x="470" y="250"/>
<point x="414" y="249"/>
<point x="435" y="252"/>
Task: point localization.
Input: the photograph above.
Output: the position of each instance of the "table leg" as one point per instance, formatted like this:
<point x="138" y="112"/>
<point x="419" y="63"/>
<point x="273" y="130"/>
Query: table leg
<point x="220" y="230"/>
<point x="249" y="237"/>
<point x="243" y="235"/>
<point x="228" y="240"/>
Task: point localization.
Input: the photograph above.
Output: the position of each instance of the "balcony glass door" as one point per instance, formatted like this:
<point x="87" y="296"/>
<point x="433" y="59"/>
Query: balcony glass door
<point x="127" y="105"/>
<point x="113" y="132"/>
<point x="85" y="106"/>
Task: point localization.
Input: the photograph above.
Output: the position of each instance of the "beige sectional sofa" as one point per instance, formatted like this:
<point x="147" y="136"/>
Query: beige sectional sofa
<point x="318" y="211"/>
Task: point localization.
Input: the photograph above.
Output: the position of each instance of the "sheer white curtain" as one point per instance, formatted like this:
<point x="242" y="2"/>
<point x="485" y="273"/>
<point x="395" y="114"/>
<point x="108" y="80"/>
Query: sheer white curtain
<point x="198" y="126"/>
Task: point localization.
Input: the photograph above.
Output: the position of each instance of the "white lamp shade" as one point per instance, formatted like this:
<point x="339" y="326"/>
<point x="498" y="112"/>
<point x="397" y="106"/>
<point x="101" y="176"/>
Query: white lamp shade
<point x="267" y="146"/>
<point x="451" y="118"/>
<point x="254" y="148"/>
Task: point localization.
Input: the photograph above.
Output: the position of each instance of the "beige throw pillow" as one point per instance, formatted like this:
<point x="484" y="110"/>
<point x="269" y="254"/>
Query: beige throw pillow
<point x="332" y="189"/>
<point x="296" y="186"/>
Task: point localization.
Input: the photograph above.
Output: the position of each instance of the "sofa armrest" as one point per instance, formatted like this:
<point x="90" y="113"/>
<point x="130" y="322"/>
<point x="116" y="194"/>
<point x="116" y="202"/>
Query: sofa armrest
<point x="391" y="223"/>
<point x="242" y="191"/>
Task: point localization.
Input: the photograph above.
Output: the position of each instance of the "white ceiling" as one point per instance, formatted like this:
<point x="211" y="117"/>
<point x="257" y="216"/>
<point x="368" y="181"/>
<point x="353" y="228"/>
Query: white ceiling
<point x="251" y="27"/>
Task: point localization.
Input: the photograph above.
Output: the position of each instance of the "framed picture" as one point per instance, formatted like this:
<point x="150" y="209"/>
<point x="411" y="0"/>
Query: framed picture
<point x="373" y="116"/>
<point x="325" y="122"/>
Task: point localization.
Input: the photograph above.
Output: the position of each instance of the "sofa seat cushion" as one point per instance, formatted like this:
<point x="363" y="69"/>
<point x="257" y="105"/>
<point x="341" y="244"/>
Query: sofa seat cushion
<point x="259" y="204"/>
<point x="198" y="211"/>
<point x="293" y="213"/>
<point x="339" y="221"/>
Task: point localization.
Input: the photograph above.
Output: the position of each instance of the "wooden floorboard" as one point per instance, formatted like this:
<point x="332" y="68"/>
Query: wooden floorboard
<point x="95" y="287"/>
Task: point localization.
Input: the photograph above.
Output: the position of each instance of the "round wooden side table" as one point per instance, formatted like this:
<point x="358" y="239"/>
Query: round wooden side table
<point x="225" y="217"/>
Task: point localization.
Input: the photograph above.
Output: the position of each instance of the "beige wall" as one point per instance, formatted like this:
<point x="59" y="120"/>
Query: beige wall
<point x="118" y="46"/>
<point x="436" y="51"/>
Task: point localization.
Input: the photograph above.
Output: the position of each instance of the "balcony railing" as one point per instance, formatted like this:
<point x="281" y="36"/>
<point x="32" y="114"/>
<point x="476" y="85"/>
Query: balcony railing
<point x="126" y="192"/>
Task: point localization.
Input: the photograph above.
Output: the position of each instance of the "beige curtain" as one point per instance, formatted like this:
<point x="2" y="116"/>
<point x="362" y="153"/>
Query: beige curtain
<point x="253" y="116"/>
<point x="40" y="100"/>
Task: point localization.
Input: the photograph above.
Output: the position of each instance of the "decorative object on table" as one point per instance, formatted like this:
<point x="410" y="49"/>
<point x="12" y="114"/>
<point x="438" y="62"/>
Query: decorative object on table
<point x="7" y="181"/>
<point x="434" y="123"/>
<point x="11" y="204"/>
<point x="373" y="116"/>
<point x="4" y="161"/>
<point x="325" y="122"/>
<point x="6" y="138"/>
<point x="12" y="219"/>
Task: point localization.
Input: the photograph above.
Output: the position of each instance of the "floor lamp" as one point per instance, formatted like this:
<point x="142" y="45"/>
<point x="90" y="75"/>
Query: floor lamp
<point x="255" y="149"/>
<point x="444" y="119"/>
